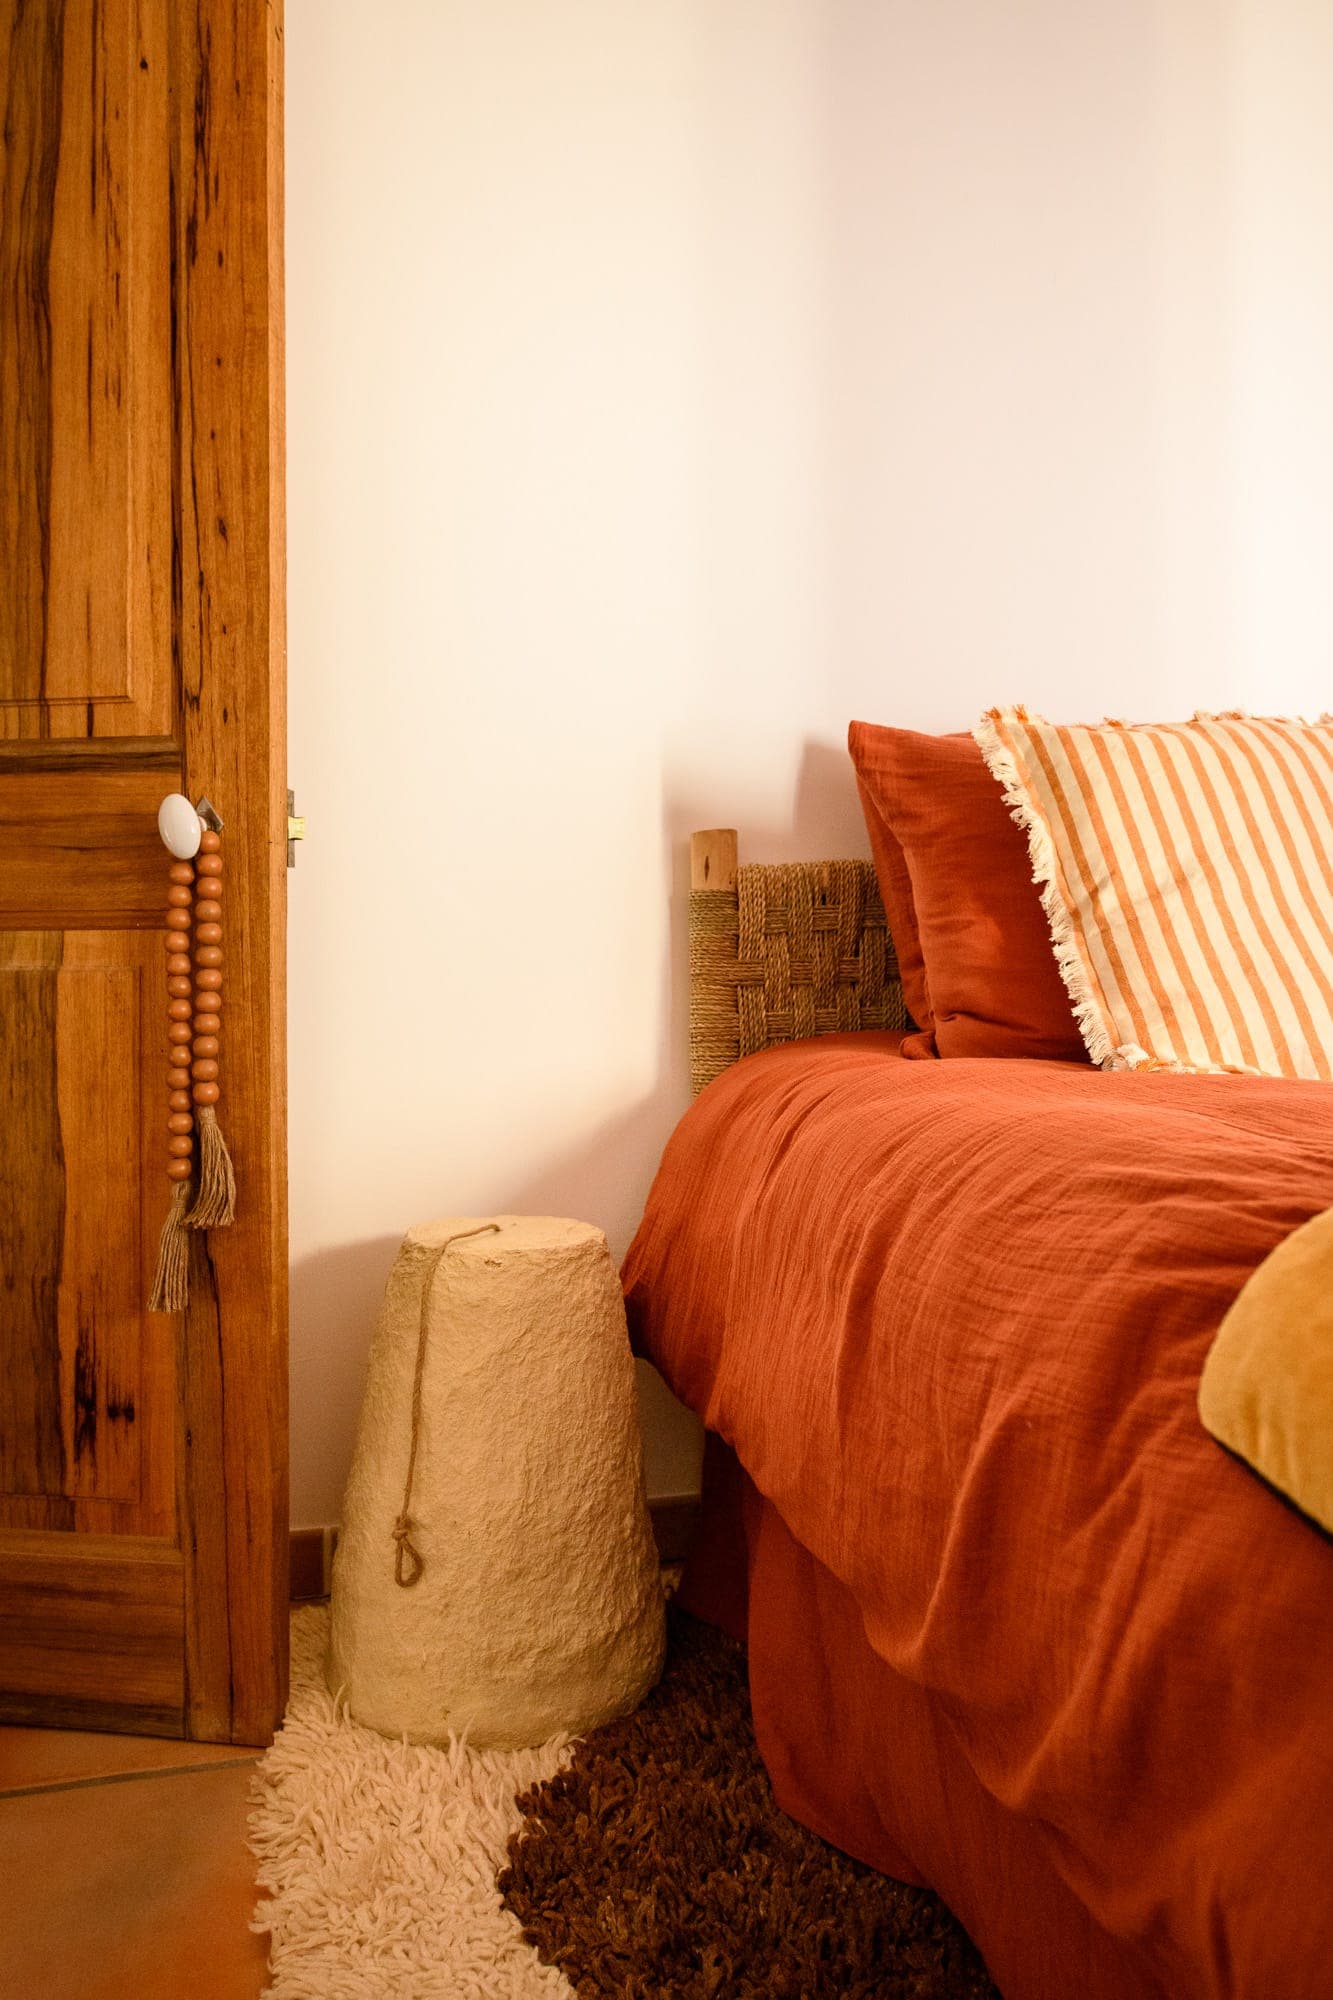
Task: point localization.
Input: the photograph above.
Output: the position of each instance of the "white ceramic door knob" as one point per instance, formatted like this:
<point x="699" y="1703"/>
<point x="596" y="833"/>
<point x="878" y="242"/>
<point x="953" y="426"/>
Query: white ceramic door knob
<point x="180" y="826"/>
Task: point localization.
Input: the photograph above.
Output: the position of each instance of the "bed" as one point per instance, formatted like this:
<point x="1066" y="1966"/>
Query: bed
<point x="1018" y="1628"/>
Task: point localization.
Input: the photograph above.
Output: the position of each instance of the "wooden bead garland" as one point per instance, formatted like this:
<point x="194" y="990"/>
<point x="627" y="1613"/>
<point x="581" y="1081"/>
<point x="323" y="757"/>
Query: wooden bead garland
<point x="215" y="1204"/>
<point x="171" y="1279"/>
<point x="179" y="1011"/>
<point x="194" y="1004"/>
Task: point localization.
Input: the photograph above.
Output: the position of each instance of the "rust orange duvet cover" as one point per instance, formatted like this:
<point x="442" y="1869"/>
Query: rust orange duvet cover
<point x="950" y="1318"/>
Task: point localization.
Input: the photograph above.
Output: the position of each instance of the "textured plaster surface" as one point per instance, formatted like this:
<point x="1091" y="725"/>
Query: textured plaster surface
<point x="540" y="1606"/>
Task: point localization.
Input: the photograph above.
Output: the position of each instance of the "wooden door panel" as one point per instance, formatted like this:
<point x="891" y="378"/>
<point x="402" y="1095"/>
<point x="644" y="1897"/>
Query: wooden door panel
<point x="79" y="849"/>
<point x="92" y="1635"/>
<point x="142" y="1456"/>
<point x="32" y="1453"/>
<point x="85" y="370"/>
<point x="87" y="1374"/>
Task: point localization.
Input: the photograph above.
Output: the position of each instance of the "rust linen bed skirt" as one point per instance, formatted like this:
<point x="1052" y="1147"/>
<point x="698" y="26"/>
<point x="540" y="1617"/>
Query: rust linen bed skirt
<point x="867" y="1760"/>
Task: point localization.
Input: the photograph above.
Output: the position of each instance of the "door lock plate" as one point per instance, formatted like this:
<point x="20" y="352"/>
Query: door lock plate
<point x="295" y="829"/>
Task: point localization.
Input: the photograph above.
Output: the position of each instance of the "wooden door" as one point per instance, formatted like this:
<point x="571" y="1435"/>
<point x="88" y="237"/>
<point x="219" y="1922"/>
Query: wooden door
<point x="143" y="1506"/>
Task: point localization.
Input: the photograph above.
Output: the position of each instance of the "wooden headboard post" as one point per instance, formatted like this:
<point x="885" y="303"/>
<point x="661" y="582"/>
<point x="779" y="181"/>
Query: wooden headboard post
<point x="779" y="953"/>
<point x="713" y="858"/>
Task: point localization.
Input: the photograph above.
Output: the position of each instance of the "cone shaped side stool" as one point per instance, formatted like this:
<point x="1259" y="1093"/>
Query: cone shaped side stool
<point x="537" y="1606"/>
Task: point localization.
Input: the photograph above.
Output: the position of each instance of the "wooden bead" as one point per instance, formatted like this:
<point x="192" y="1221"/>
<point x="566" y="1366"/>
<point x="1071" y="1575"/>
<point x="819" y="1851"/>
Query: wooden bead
<point x="209" y="954"/>
<point x="206" y="1093"/>
<point x="208" y="934"/>
<point x="209" y="864"/>
<point x="207" y="911"/>
<point x="205" y="1071"/>
<point x="209" y="980"/>
<point x="180" y="1009"/>
<point x="209" y="842"/>
<point x="205" y="1045"/>
<point x="207" y="1024"/>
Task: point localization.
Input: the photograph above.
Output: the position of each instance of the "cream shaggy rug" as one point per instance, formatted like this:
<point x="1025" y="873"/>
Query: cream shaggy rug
<point x="380" y="1859"/>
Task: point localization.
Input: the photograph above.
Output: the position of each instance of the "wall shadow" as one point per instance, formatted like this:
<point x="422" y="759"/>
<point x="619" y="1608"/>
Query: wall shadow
<point x="603" y="1175"/>
<point x="341" y="1285"/>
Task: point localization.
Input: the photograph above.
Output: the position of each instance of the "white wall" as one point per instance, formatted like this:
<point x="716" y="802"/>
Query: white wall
<point x="669" y="381"/>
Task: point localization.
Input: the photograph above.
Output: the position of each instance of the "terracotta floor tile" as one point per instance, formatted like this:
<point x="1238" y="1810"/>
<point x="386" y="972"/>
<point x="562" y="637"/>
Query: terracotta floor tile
<point x="32" y="1758"/>
<point x="140" y="1889"/>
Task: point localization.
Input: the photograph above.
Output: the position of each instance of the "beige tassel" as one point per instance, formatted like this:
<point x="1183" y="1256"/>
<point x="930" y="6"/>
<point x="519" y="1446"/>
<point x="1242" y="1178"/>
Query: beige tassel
<point x="215" y="1204"/>
<point x="171" y="1280"/>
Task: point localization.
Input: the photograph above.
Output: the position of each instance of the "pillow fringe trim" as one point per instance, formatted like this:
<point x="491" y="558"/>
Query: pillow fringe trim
<point x="1003" y="767"/>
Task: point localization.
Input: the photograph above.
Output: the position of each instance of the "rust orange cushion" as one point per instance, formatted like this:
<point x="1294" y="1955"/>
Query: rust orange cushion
<point x="895" y="892"/>
<point x="979" y="974"/>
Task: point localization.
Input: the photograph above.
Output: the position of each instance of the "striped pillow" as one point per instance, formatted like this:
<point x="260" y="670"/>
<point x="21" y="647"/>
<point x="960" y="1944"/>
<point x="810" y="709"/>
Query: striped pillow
<point x="1186" y="871"/>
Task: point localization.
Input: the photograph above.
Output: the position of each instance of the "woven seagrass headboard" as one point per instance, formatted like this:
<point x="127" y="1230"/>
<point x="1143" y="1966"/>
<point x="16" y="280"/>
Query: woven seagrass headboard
<point x="780" y="952"/>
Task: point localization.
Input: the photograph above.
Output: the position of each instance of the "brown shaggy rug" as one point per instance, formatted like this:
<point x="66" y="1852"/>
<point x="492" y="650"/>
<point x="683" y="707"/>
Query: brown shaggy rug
<point x="659" y="1867"/>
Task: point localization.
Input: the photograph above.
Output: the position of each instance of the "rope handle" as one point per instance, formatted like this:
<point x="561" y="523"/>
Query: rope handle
<point x="408" y="1561"/>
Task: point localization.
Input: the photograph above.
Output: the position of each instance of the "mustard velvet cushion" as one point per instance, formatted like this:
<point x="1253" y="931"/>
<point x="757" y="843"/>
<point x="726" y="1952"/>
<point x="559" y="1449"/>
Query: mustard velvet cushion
<point x="1266" y="1391"/>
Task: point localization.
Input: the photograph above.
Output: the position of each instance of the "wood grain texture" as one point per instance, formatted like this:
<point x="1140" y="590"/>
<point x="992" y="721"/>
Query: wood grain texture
<point x="99" y="1079"/>
<point x="80" y="855"/>
<point x="32" y="1174"/>
<point x="87" y="755"/>
<point x="85" y="370"/>
<point x="714" y="858"/>
<point x="89" y="302"/>
<point x="32" y="49"/>
<point x="91" y="1633"/>
<point x="232" y="657"/>
<point x="140" y="233"/>
<point x="87" y="1388"/>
